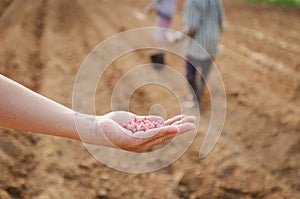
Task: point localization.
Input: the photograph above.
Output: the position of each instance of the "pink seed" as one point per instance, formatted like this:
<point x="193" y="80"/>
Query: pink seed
<point x="142" y="125"/>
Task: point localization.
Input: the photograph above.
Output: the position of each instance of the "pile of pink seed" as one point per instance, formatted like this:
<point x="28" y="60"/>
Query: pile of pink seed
<point x="136" y="125"/>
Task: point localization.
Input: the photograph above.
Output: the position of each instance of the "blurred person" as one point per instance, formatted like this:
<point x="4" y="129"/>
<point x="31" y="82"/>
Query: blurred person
<point x="204" y="24"/>
<point x="23" y="109"/>
<point x="165" y="10"/>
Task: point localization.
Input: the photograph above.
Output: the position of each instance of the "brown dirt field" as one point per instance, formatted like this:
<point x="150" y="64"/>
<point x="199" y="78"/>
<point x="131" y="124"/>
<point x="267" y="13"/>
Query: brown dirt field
<point x="43" y="44"/>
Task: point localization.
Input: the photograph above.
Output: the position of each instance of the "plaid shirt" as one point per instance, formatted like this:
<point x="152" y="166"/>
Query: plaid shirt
<point x="165" y="8"/>
<point x="205" y="18"/>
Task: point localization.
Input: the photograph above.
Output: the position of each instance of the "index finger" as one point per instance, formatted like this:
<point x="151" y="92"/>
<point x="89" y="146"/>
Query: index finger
<point x="180" y="119"/>
<point x="157" y="132"/>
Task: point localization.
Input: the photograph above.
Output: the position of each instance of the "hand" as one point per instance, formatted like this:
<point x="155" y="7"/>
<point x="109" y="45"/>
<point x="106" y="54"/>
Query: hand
<point x="118" y="137"/>
<point x="174" y="37"/>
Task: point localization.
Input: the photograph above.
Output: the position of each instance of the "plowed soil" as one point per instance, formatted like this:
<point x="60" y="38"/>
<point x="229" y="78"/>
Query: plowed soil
<point x="43" y="44"/>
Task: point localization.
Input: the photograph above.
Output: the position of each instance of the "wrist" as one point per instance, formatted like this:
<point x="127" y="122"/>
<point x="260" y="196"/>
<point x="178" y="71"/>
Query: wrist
<point x="85" y="126"/>
<point x="89" y="131"/>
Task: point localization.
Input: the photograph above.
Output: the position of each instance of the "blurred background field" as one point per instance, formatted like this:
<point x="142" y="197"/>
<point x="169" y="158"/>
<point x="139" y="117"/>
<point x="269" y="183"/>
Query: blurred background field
<point x="43" y="44"/>
<point x="291" y="3"/>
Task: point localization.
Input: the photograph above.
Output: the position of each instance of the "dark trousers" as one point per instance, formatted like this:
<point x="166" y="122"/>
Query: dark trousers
<point x="192" y="66"/>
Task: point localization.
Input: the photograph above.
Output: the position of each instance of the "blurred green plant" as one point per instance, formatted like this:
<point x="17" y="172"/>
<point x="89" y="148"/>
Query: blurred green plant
<point x="291" y="3"/>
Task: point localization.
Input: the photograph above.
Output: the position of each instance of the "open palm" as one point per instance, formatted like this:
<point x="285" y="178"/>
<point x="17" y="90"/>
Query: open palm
<point x="111" y="126"/>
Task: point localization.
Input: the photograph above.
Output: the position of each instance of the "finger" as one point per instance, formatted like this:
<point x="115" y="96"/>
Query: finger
<point x="187" y="119"/>
<point x="159" y="140"/>
<point x="157" y="132"/>
<point x="183" y="128"/>
<point x="174" y="119"/>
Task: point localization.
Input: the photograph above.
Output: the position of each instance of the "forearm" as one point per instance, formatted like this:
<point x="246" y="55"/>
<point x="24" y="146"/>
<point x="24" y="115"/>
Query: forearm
<point x="23" y="109"/>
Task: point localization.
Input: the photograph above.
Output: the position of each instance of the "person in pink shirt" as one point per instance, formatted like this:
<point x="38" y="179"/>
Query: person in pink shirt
<point x="165" y="10"/>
